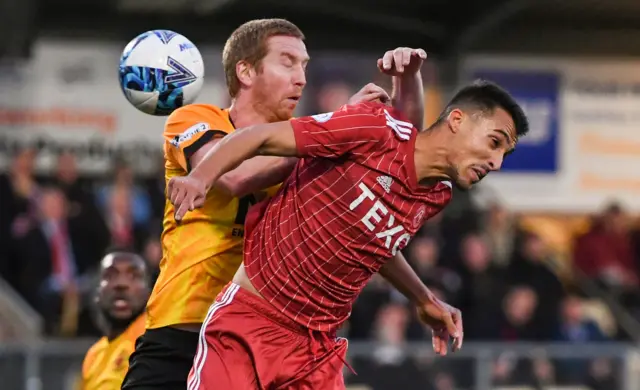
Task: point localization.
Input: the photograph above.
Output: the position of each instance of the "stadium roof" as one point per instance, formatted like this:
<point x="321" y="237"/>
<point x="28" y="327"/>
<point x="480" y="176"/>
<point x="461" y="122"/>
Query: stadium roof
<point x="441" y="26"/>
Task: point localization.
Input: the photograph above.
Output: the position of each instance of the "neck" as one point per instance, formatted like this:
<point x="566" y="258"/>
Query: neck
<point x="114" y="332"/>
<point x="245" y="112"/>
<point x="114" y="328"/>
<point x="431" y="157"/>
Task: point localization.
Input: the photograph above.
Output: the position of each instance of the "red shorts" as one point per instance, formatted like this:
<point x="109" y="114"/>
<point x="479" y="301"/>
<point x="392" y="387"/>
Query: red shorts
<point x="246" y="344"/>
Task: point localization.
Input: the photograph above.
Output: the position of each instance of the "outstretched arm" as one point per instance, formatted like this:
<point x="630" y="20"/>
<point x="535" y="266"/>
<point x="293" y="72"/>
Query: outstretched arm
<point x="445" y="321"/>
<point x="404" y="64"/>
<point x="192" y="131"/>
<point x="261" y="172"/>
<point x="328" y="135"/>
<point x="272" y="139"/>
<point x="399" y="273"/>
<point x="408" y="97"/>
<point x="250" y="176"/>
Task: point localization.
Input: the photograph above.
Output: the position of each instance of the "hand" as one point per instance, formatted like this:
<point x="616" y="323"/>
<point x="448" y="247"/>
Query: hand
<point x="186" y="194"/>
<point x="401" y="61"/>
<point x="370" y="93"/>
<point x="445" y="322"/>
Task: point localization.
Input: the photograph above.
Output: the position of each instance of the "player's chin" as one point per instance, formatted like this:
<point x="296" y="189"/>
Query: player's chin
<point x="121" y="314"/>
<point x="286" y="113"/>
<point x="288" y="107"/>
<point x="464" y="184"/>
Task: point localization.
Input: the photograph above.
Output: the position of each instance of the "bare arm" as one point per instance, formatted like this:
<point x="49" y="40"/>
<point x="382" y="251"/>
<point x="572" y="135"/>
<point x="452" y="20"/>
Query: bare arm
<point x="227" y="154"/>
<point x="329" y="135"/>
<point x="250" y="176"/>
<point x="399" y="273"/>
<point x="444" y="320"/>
<point x="404" y="64"/>
<point x="408" y="97"/>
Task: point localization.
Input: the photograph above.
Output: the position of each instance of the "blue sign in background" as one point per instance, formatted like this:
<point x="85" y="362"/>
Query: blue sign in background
<point x="538" y="93"/>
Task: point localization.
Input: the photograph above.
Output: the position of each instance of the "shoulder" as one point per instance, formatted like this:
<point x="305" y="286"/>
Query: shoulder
<point x="444" y="190"/>
<point x="435" y="198"/>
<point x="93" y="353"/>
<point x="198" y="118"/>
<point x="390" y="120"/>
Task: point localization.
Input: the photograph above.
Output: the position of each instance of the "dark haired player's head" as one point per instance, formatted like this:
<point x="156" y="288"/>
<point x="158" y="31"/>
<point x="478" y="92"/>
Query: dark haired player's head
<point x="479" y="127"/>
<point x="123" y="290"/>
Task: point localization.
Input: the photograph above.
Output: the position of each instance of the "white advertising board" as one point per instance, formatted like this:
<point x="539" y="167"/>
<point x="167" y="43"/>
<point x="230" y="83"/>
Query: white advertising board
<point x="68" y="97"/>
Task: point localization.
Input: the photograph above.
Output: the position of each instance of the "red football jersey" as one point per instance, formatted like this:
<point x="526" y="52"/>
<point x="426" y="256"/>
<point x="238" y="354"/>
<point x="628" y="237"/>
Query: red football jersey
<point x="351" y="203"/>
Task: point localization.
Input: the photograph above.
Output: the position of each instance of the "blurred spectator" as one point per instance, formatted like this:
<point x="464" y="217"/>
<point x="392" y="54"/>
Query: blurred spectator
<point x="155" y="188"/>
<point x="375" y="295"/>
<point x="120" y="221"/>
<point x="574" y="328"/>
<point x="123" y="181"/>
<point x="55" y="264"/>
<point x="531" y="267"/>
<point x="537" y="371"/>
<point x="18" y="190"/>
<point x="390" y="332"/>
<point x="482" y="289"/>
<point x="390" y="366"/>
<point x="500" y="232"/>
<point x="432" y="228"/>
<point x="605" y="253"/>
<point x="517" y="323"/>
<point x="460" y="218"/>
<point x="66" y="177"/>
<point x="82" y="209"/>
<point x="153" y="254"/>
<point x="602" y="375"/>
<point x="424" y="254"/>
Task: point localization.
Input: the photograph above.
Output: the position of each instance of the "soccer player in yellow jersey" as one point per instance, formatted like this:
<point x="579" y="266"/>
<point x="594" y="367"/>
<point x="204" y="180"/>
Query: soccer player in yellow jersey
<point x="264" y="63"/>
<point x="121" y="297"/>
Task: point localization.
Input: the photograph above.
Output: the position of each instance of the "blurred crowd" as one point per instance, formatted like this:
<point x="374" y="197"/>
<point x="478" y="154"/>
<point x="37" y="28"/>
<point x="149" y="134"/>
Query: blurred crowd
<point x="509" y="281"/>
<point x="511" y="287"/>
<point x="503" y="277"/>
<point x="55" y="230"/>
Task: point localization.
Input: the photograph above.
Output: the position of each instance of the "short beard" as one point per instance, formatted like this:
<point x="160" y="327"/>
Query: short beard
<point x="111" y="324"/>
<point x="272" y="114"/>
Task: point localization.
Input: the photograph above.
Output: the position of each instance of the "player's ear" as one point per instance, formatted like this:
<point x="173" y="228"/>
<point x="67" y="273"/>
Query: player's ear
<point x="245" y="73"/>
<point x="454" y="120"/>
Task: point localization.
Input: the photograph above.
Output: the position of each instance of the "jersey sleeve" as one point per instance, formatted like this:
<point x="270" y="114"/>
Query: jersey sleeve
<point x="352" y="129"/>
<point x="189" y="128"/>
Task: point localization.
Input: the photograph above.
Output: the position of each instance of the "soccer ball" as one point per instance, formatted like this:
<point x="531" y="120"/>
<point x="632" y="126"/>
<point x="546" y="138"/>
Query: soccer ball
<point x="161" y="71"/>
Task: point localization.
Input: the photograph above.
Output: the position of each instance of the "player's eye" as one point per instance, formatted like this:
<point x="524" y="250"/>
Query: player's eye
<point x="287" y="62"/>
<point x="495" y="143"/>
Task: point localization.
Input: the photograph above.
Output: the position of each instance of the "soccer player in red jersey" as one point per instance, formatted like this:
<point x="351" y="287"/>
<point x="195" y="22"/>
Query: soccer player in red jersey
<point x="365" y="183"/>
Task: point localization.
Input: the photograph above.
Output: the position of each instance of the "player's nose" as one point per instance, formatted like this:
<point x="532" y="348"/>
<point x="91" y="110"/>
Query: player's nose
<point x="495" y="163"/>
<point x="121" y="283"/>
<point x="300" y="78"/>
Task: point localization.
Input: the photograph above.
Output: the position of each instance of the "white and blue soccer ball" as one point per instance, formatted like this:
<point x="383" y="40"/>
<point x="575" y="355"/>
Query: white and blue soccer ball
<point x="161" y="71"/>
